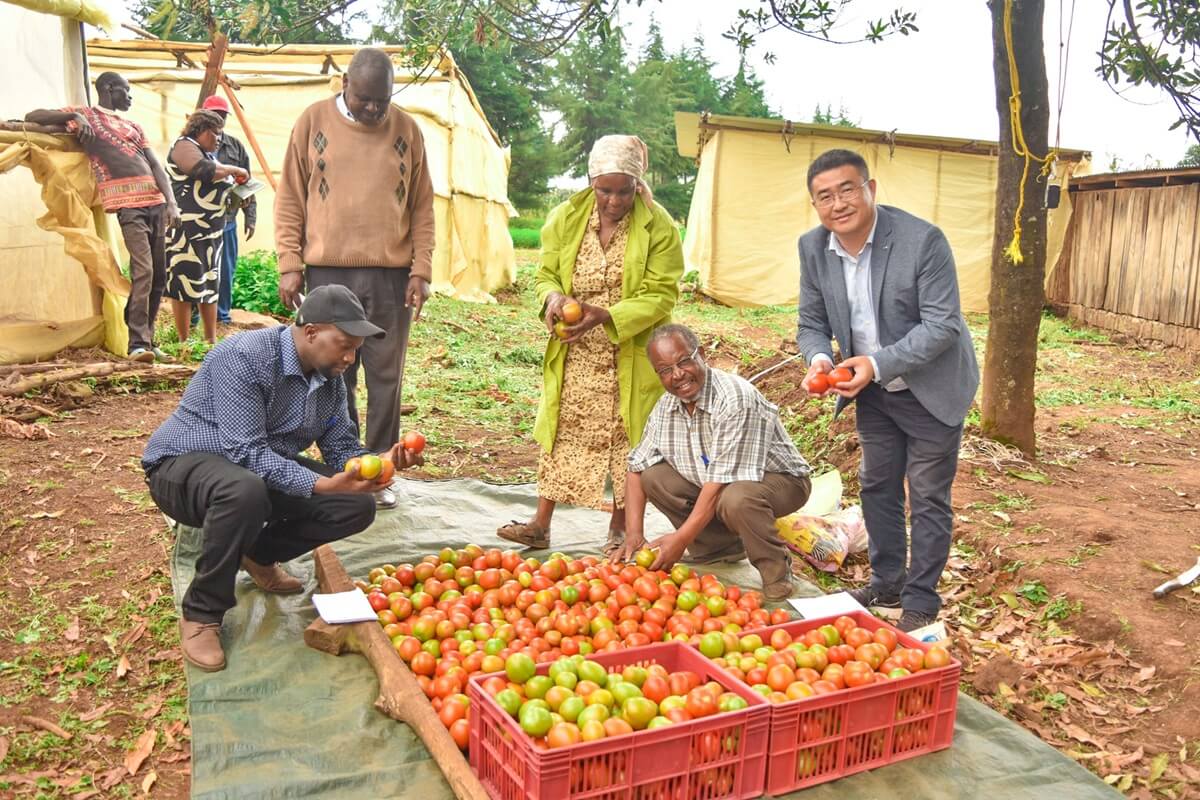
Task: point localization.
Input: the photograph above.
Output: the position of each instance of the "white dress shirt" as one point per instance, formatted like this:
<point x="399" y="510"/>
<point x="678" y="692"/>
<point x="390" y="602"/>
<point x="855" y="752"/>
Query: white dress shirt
<point x="864" y="331"/>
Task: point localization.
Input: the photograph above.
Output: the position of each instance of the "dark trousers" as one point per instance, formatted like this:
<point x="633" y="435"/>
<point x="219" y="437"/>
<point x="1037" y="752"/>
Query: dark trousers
<point x="144" y="230"/>
<point x="240" y="516"/>
<point x="900" y="440"/>
<point x="229" y="257"/>
<point x="381" y="292"/>
<point x="745" y="520"/>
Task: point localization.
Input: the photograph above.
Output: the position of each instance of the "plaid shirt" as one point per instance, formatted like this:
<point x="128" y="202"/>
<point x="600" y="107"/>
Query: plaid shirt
<point x="734" y="435"/>
<point x="251" y="402"/>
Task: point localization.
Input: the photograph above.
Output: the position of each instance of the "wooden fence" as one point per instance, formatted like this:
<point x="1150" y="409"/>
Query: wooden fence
<point x="1131" y="259"/>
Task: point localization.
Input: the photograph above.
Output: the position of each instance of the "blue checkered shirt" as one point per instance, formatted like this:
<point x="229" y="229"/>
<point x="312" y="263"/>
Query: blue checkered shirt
<point x="251" y="402"/>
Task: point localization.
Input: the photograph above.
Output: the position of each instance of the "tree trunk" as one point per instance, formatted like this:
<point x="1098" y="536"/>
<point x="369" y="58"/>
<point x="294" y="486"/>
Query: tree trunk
<point x="1016" y="296"/>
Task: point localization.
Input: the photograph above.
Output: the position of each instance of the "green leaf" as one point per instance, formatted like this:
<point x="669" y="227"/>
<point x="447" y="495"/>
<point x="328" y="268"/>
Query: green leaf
<point x="1035" y="477"/>
<point x="1125" y="783"/>
<point x="1010" y="600"/>
<point x="1091" y="689"/>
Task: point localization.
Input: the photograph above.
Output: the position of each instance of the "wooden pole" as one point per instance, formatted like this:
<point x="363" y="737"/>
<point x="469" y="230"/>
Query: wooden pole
<point x="212" y="67"/>
<point x="400" y="697"/>
<point x="245" y="123"/>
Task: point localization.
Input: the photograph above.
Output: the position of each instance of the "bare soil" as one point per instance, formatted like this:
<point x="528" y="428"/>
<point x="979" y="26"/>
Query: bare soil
<point x="1048" y="590"/>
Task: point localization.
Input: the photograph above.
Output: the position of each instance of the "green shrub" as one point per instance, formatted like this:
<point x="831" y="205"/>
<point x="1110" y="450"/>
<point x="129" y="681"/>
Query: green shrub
<point x="524" y="238"/>
<point x="256" y="285"/>
<point x="527" y="223"/>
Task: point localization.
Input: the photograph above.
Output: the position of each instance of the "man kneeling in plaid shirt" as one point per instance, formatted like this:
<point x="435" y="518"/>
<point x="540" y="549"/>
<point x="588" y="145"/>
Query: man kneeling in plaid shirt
<point x="716" y="460"/>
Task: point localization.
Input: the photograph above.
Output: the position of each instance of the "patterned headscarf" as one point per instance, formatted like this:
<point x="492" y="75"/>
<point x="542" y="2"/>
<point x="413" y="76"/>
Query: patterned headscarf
<point x="624" y="155"/>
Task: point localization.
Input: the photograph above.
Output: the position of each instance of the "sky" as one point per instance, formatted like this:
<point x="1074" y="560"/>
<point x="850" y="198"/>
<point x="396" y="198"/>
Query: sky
<point x="937" y="81"/>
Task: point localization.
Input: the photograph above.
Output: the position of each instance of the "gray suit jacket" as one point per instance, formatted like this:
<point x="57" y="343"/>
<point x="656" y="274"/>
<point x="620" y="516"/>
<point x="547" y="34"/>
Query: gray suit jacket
<point x="914" y="287"/>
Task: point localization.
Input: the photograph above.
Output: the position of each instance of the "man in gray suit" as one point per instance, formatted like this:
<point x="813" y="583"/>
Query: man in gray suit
<point x="883" y="283"/>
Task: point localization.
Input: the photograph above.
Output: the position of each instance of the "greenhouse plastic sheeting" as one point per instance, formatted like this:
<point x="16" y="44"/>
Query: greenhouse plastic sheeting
<point x="285" y="721"/>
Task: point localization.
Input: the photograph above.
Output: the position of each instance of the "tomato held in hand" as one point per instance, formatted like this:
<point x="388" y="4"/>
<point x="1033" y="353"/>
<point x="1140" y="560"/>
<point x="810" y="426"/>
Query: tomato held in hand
<point x="839" y="375"/>
<point x="414" y="441"/>
<point x="818" y="383"/>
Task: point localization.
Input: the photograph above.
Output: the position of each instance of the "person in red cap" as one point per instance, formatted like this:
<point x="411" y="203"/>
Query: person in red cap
<point x="232" y="152"/>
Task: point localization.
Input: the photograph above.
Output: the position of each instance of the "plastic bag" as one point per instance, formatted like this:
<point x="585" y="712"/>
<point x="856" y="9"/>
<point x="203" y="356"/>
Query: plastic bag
<point x="824" y="541"/>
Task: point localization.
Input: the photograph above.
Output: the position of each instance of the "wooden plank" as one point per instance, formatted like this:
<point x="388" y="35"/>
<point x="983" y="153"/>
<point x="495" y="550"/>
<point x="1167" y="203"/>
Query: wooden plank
<point x="1100" y="239"/>
<point x="1183" y="235"/>
<point x="1149" y="283"/>
<point x="1191" y="317"/>
<point x="212" y="67"/>
<point x="400" y="697"/>
<point x="1083" y="252"/>
<point x="1120" y="232"/>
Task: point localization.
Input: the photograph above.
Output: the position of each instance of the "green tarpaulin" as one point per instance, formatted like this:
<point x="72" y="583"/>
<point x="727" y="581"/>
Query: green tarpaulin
<point x="284" y="721"/>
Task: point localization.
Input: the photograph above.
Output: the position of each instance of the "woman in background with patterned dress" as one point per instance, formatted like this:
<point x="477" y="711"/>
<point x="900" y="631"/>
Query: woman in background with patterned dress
<point x="615" y="253"/>
<point x="200" y="184"/>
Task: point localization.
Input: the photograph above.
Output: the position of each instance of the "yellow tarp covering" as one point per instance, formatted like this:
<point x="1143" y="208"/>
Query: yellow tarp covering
<point x="474" y="253"/>
<point x="751" y="203"/>
<point x="67" y="192"/>
<point x="79" y="10"/>
<point x="49" y="302"/>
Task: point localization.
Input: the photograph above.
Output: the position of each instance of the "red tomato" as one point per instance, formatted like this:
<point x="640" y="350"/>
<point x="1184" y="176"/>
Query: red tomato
<point x="886" y="637"/>
<point x="701" y="703"/>
<point x="857" y="637"/>
<point x="460" y="732"/>
<point x="839" y="375"/>
<point x="414" y="442"/>
<point x="655" y="688"/>
<point x="818" y="384"/>
<point x="858" y="673"/>
<point x="779" y="677"/>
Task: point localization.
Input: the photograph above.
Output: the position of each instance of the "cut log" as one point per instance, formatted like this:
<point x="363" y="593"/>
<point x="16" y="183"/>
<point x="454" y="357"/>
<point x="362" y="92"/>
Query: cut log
<point x="103" y="370"/>
<point x="32" y="369"/>
<point x="400" y="697"/>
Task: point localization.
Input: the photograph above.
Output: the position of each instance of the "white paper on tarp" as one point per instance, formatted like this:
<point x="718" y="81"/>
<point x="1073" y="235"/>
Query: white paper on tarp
<point x="342" y="607"/>
<point x="827" y="605"/>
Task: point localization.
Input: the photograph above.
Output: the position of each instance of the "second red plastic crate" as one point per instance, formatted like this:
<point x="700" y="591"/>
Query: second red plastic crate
<point x="721" y="756"/>
<point x="821" y="738"/>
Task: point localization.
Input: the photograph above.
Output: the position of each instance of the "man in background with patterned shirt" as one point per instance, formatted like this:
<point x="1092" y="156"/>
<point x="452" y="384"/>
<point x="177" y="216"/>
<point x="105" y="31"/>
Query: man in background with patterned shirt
<point x="227" y="459"/>
<point x="132" y="185"/>
<point x="716" y="460"/>
<point x="355" y="208"/>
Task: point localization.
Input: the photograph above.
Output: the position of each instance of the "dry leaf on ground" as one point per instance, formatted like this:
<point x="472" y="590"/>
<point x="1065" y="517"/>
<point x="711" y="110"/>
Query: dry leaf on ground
<point x="140" y="752"/>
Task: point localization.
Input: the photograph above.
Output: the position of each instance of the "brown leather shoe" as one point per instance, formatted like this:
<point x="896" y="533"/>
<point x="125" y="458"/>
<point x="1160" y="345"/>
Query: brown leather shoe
<point x="201" y="645"/>
<point x="780" y="590"/>
<point x="272" y="577"/>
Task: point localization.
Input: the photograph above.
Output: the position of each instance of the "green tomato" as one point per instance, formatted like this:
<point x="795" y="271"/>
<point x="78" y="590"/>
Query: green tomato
<point x="622" y="691"/>
<point x="510" y="701"/>
<point x="591" y="671"/>
<point x="535" y="721"/>
<point x="571" y="708"/>
<point x="519" y="667"/>
<point x="537" y="686"/>
<point x="712" y="645"/>
<point x="688" y="600"/>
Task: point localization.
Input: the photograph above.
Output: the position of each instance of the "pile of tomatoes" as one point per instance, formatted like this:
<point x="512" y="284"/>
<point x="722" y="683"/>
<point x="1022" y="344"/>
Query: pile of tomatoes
<point x="465" y="612"/>
<point x="577" y="700"/>
<point x="823" y="660"/>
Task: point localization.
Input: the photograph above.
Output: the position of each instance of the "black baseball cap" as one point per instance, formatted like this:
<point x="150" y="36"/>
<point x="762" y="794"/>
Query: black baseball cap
<point x="337" y="305"/>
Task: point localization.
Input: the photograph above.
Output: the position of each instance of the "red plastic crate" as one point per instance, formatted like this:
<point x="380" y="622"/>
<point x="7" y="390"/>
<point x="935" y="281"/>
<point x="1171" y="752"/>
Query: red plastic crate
<point x="674" y="761"/>
<point x="825" y="737"/>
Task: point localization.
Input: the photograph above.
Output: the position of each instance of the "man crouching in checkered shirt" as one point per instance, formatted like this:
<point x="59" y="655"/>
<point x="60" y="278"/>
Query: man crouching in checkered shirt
<point x="716" y="460"/>
<point x="227" y="459"/>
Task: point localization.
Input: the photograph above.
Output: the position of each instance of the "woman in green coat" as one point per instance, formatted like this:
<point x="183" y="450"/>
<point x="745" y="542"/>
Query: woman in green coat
<point x="611" y="264"/>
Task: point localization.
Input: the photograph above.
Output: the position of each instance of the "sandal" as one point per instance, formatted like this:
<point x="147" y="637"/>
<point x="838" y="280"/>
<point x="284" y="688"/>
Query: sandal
<point x="525" y="533"/>
<point x="614" y="542"/>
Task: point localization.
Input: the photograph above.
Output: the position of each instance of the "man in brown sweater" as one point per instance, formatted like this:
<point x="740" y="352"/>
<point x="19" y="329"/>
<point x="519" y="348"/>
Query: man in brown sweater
<point x="355" y="207"/>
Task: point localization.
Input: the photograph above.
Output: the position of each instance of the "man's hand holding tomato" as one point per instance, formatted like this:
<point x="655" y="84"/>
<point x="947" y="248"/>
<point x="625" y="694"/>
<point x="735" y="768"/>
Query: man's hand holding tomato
<point x="862" y="373"/>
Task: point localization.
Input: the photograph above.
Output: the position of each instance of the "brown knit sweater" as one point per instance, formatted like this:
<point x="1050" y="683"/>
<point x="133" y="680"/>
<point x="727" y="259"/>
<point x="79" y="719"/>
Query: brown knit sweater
<point x="354" y="196"/>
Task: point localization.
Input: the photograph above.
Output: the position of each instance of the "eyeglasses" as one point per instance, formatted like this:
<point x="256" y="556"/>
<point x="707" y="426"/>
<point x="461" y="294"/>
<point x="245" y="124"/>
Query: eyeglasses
<point x="844" y="194"/>
<point x="683" y="363"/>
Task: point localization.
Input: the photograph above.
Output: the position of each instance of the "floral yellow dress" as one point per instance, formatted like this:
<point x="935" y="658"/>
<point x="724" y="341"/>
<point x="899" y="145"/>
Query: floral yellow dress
<point x="591" y="443"/>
